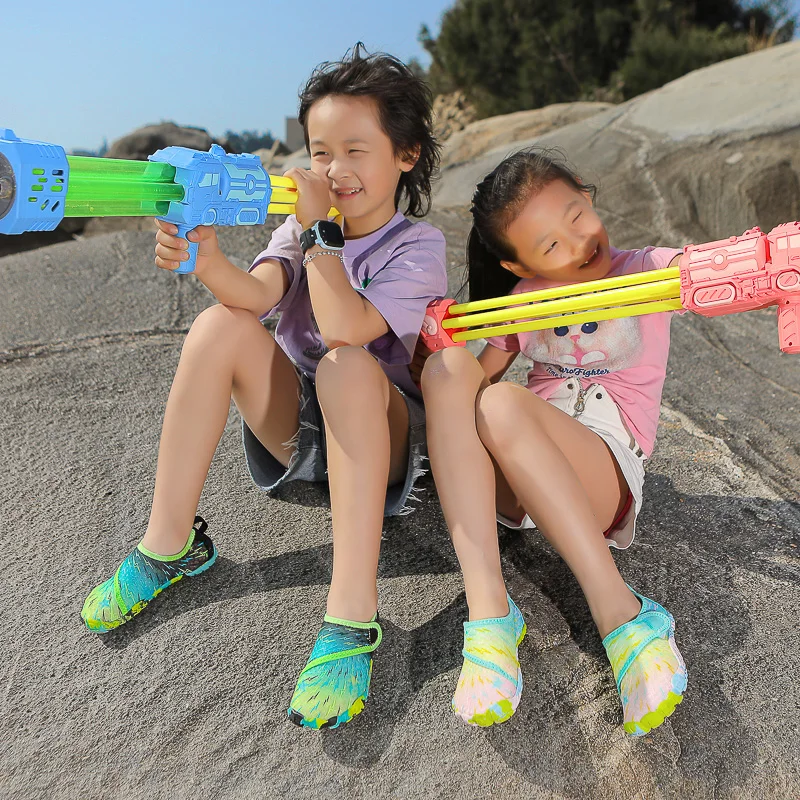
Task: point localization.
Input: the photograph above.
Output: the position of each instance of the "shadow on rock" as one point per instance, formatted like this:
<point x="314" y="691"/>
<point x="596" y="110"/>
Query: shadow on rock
<point x="406" y="661"/>
<point x="431" y="554"/>
<point x="566" y="736"/>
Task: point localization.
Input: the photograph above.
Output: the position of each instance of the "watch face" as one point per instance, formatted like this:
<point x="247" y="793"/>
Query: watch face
<point x="331" y="235"/>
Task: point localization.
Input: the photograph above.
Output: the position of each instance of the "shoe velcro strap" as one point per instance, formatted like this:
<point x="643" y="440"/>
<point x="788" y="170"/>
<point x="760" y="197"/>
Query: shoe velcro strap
<point x="482" y="662"/>
<point x="659" y="626"/>
<point x="373" y="627"/>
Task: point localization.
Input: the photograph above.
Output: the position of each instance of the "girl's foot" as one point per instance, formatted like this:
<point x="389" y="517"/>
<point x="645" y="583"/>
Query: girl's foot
<point x="650" y="672"/>
<point x="142" y="576"/>
<point x="334" y="685"/>
<point x="490" y="684"/>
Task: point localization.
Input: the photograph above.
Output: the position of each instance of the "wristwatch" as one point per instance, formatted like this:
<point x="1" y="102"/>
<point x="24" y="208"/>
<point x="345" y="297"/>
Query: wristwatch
<point x="326" y="234"/>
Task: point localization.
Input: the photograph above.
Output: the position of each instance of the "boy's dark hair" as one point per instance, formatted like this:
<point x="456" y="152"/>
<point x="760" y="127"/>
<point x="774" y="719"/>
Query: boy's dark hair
<point x="497" y="202"/>
<point x="404" y="109"/>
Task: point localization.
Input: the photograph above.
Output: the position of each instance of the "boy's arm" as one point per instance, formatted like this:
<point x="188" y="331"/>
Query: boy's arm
<point x="495" y="362"/>
<point x="257" y="291"/>
<point x="344" y="317"/>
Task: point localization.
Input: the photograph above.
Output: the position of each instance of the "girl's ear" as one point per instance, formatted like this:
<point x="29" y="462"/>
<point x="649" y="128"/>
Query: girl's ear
<point x="409" y="159"/>
<point x="516" y="269"/>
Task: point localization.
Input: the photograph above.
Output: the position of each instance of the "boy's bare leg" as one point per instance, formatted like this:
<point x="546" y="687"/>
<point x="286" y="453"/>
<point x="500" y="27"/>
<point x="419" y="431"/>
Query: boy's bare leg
<point x="227" y="353"/>
<point x="465" y="476"/>
<point x="569" y="483"/>
<point x="366" y="425"/>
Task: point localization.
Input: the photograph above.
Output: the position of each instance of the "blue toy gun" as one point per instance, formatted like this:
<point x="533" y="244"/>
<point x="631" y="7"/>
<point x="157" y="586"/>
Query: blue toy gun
<point x="40" y="185"/>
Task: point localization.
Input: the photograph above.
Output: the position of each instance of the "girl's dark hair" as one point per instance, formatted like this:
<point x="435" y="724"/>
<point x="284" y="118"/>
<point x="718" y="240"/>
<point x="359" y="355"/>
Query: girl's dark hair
<point x="497" y="202"/>
<point x="404" y="110"/>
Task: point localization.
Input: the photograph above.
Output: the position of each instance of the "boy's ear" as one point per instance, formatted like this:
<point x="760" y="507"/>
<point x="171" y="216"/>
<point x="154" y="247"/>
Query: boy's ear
<point x="408" y="160"/>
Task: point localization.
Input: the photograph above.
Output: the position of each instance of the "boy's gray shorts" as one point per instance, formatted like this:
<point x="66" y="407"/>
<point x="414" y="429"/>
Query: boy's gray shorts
<point x="309" y="463"/>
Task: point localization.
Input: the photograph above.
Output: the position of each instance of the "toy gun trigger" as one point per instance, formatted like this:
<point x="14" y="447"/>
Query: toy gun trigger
<point x="187" y="266"/>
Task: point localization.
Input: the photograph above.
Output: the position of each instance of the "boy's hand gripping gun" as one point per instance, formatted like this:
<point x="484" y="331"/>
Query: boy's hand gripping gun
<point x="741" y="273"/>
<point x="40" y="185"/>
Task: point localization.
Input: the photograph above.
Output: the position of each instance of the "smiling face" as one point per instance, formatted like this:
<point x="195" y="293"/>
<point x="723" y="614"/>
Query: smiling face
<point x="349" y="147"/>
<point x="559" y="236"/>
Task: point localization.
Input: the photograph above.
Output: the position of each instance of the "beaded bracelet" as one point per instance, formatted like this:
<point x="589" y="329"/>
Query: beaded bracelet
<point x="312" y="256"/>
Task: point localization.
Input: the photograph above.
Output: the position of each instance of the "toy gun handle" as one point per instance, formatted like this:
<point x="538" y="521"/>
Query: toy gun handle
<point x="789" y="324"/>
<point x="433" y="335"/>
<point x="187" y="266"/>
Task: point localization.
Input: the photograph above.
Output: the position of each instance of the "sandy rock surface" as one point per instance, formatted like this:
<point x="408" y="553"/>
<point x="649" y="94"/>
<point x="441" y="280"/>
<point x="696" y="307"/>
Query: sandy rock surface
<point x="188" y="700"/>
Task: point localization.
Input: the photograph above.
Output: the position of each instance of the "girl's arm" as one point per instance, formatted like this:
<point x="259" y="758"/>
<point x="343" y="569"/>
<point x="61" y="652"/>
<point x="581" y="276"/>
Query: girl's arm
<point x="495" y="362"/>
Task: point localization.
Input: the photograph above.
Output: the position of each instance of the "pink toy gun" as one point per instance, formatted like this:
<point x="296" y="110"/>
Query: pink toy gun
<point x="754" y="270"/>
<point x="741" y="273"/>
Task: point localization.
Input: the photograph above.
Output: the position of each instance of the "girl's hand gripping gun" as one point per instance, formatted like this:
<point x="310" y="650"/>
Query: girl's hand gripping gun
<point x="40" y="185"/>
<point x="741" y="273"/>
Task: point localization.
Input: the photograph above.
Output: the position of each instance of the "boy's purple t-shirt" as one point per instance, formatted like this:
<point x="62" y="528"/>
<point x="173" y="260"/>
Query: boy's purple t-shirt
<point x="627" y="356"/>
<point x="399" y="271"/>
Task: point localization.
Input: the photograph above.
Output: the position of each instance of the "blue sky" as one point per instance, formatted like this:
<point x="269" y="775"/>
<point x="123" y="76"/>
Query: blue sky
<point x="77" y="72"/>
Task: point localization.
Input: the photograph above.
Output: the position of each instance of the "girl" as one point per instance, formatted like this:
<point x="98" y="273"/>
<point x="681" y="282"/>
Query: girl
<point x="565" y="455"/>
<point x="330" y="396"/>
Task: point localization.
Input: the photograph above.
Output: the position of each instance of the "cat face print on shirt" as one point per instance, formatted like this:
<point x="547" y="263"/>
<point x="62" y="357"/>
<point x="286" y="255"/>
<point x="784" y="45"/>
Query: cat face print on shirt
<point x="594" y="348"/>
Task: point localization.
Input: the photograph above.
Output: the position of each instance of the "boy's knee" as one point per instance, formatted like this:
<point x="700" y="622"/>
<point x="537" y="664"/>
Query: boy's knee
<point x="222" y="323"/>
<point x="448" y="368"/>
<point x="348" y="366"/>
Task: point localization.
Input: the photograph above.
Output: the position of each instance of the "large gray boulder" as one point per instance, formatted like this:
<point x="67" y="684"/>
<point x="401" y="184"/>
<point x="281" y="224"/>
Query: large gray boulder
<point x="708" y="155"/>
<point x="487" y="135"/>
<point x="145" y="141"/>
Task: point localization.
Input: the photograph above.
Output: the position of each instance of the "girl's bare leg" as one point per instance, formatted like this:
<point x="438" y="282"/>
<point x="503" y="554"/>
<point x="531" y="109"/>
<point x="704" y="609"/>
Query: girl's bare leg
<point x="366" y="425"/>
<point x="227" y="353"/>
<point x="465" y="476"/>
<point x="569" y="483"/>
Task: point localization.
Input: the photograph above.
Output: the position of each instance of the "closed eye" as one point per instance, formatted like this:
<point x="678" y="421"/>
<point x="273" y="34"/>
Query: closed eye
<point x="577" y="218"/>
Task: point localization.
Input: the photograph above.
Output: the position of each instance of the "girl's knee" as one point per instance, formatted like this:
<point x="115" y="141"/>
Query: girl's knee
<point x="448" y="369"/>
<point x="498" y="413"/>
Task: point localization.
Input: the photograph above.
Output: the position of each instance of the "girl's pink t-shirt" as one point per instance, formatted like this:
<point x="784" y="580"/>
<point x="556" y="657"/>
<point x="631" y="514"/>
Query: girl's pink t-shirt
<point x="627" y="356"/>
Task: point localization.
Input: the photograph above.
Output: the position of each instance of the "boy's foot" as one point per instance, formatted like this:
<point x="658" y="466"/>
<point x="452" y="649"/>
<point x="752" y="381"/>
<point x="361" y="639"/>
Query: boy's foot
<point x="142" y="576"/>
<point x="334" y="684"/>
<point x="650" y="672"/>
<point x="490" y="684"/>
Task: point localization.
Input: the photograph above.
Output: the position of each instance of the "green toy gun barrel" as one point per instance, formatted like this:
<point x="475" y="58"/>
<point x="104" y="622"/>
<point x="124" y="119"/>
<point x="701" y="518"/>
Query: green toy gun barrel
<point x="106" y="187"/>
